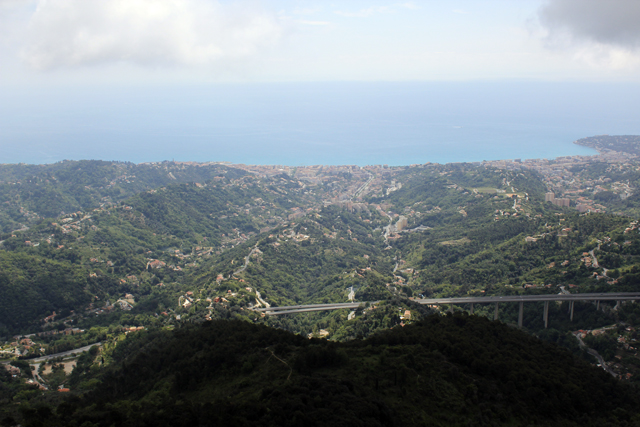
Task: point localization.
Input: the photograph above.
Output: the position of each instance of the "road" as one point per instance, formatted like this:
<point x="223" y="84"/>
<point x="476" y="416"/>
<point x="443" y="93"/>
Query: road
<point x="613" y="296"/>
<point x="35" y="363"/>
<point x="244" y="267"/>
<point x="246" y="260"/>
<point x="259" y="298"/>
<point x="63" y="354"/>
<point x="387" y="231"/>
<point x="595" y="260"/>
<point x="596" y="355"/>
<point x="24" y="228"/>
<point x="387" y="228"/>
<point x="418" y="228"/>
<point x="364" y="187"/>
<point x="310" y="307"/>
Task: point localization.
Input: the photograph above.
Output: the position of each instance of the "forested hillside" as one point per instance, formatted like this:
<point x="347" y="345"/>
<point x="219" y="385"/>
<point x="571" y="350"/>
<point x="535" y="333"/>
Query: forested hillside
<point x="454" y="370"/>
<point x="242" y="240"/>
<point x="179" y="245"/>
<point x="32" y="192"/>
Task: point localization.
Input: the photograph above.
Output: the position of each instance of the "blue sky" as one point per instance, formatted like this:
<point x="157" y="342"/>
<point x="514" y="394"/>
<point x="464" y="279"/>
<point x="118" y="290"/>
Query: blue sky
<point x="131" y="42"/>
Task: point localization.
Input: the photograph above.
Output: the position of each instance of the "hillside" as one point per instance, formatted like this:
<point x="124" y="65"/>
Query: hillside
<point x="624" y="143"/>
<point x="30" y="193"/>
<point x="467" y="230"/>
<point x="172" y="258"/>
<point x="453" y="370"/>
<point x="256" y="236"/>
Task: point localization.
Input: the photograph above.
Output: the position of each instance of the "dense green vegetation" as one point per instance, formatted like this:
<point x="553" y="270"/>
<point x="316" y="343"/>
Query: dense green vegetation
<point x="32" y="192"/>
<point x="453" y="370"/>
<point x="33" y="285"/>
<point x="178" y="248"/>
<point x="232" y="237"/>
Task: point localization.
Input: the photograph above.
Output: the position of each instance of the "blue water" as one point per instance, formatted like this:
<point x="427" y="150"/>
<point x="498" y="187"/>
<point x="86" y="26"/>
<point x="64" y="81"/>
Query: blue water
<point x="319" y="123"/>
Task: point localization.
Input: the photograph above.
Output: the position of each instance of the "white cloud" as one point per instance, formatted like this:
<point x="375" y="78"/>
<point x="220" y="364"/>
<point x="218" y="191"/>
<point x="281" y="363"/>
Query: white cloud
<point x="67" y="33"/>
<point x="598" y="55"/>
<point x="601" y="34"/>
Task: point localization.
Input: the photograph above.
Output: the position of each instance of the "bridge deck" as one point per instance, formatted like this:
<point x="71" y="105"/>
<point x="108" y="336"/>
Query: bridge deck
<point x="613" y="296"/>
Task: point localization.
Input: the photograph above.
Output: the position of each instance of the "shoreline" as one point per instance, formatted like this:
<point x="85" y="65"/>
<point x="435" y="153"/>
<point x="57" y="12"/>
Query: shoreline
<point x="599" y="152"/>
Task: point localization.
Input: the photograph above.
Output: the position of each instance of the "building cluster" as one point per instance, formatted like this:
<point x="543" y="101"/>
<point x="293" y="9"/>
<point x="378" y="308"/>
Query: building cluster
<point x="562" y="202"/>
<point x="571" y="177"/>
<point x="337" y="183"/>
<point x="402" y="223"/>
<point x="627" y="345"/>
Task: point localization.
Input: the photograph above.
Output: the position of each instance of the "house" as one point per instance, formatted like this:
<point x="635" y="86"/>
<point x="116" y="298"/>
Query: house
<point x="155" y="263"/>
<point x="12" y="370"/>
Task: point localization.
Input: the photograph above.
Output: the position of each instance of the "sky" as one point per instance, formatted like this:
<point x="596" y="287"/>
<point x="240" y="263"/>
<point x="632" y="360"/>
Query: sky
<point x="137" y="42"/>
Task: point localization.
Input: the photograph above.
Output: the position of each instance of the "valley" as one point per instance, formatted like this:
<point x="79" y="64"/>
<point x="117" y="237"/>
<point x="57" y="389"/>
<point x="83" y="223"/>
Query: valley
<point x="99" y="252"/>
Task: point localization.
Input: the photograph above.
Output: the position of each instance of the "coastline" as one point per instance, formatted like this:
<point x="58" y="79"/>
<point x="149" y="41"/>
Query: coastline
<point x="474" y="156"/>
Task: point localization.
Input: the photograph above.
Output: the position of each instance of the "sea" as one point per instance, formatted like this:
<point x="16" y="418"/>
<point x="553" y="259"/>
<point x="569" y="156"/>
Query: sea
<point x="299" y="124"/>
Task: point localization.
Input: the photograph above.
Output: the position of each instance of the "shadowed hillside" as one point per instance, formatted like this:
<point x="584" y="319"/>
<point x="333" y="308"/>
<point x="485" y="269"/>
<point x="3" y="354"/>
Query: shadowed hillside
<point x="451" y="370"/>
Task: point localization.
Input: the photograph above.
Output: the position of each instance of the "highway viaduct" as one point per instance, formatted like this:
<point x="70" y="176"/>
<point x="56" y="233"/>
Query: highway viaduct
<point x="521" y="299"/>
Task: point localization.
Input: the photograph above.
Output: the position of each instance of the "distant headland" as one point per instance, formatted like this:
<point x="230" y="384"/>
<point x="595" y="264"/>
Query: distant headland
<point x="603" y="143"/>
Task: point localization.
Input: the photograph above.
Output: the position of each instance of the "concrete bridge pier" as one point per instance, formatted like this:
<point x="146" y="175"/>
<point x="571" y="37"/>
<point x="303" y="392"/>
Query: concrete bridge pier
<point x="520" y="314"/>
<point x="597" y="305"/>
<point x="617" y="305"/>
<point x="571" y="310"/>
<point x="545" y="316"/>
<point x="495" y="313"/>
<point x="471" y="308"/>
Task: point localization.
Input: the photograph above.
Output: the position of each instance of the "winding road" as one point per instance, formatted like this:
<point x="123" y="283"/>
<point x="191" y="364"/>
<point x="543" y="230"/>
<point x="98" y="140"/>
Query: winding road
<point x="246" y="260"/>
<point x="596" y="355"/>
<point x="244" y="267"/>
